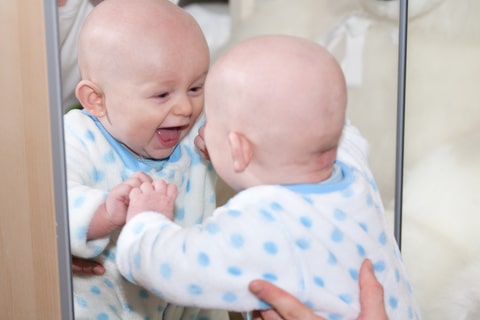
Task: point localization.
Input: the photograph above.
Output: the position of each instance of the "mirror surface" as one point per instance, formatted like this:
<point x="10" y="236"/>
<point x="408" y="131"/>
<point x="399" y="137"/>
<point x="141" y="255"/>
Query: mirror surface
<point x="441" y="137"/>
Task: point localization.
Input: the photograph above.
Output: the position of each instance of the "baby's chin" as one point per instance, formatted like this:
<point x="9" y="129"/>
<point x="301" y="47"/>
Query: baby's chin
<point x="161" y="149"/>
<point x="161" y="154"/>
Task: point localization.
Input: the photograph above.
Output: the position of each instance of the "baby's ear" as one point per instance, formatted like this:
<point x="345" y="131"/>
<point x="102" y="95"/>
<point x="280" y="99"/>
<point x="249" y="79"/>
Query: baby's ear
<point x="242" y="151"/>
<point x="91" y="98"/>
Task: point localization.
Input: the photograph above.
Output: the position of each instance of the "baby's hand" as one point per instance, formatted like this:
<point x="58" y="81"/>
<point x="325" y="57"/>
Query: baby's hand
<point x="157" y="196"/>
<point x="118" y="198"/>
<point x="200" y="143"/>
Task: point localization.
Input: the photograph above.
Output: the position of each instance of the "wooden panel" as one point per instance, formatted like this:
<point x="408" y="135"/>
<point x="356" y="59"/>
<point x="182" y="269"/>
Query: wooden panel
<point x="29" y="284"/>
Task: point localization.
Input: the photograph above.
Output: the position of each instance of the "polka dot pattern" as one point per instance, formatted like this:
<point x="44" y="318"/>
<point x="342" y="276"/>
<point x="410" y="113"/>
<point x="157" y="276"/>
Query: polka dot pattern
<point x="165" y="270"/>
<point x="235" y="271"/>
<point x="310" y="239"/>
<point x="270" y="248"/>
<point x="237" y="241"/>
<point x="96" y="163"/>
<point x="203" y="259"/>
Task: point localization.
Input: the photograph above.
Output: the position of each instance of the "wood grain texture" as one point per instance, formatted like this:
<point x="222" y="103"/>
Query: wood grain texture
<point x="29" y="284"/>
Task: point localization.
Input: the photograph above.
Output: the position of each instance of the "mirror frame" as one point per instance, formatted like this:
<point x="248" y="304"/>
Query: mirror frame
<point x="401" y="92"/>
<point x="58" y="159"/>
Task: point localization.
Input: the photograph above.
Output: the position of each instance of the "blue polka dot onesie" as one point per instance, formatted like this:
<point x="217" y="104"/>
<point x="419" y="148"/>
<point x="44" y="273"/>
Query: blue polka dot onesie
<point x="95" y="164"/>
<point x="309" y="239"/>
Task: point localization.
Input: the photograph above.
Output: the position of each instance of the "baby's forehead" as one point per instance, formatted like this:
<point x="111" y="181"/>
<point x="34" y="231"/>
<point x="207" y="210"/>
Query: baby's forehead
<point x="112" y="48"/>
<point x="133" y="17"/>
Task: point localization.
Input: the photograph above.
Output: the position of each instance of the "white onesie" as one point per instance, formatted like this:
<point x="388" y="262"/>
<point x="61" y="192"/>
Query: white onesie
<point x="96" y="163"/>
<point x="309" y="239"/>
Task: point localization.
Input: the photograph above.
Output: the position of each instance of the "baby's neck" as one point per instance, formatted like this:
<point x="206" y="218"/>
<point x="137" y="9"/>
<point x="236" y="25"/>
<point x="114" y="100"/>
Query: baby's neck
<point x="321" y="165"/>
<point x="295" y="173"/>
<point x="318" y="175"/>
<point x="309" y="169"/>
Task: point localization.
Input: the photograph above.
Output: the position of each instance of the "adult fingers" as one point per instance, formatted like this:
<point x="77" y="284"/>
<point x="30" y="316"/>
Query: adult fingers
<point x="287" y="306"/>
<point x="371" y="295"/>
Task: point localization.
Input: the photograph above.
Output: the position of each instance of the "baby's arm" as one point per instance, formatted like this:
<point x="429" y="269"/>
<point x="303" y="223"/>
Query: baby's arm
<point x="111" y="215"/>
<point x="157" y="196"/>
<point x="207" y="258"/>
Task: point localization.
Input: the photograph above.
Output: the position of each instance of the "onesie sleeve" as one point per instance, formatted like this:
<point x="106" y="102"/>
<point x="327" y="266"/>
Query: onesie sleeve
<point x="208" y="265"/>
<point x="83" y="197"/>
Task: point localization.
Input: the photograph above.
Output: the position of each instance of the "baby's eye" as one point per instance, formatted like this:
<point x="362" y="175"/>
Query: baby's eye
<point x="162" y="95"/>
<point x="196" y="89"/>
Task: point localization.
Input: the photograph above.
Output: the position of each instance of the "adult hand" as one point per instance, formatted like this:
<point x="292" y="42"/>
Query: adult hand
<point x="372" y="306"/>
<point x="287" y="307"/>
<point x="82" y="266"/>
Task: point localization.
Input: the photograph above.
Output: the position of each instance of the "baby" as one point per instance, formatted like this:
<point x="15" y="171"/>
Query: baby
<point x="307" y="213"/>
<point x="143" y="65"/>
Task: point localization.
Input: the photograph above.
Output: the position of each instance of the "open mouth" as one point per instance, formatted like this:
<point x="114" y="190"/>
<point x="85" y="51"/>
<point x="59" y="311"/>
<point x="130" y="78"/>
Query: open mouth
<point x="168" y="137"/>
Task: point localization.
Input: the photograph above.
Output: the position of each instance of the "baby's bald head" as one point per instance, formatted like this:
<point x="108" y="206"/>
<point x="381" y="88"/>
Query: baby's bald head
<point x="120" y="33"/>
<point x="278" y="89"/>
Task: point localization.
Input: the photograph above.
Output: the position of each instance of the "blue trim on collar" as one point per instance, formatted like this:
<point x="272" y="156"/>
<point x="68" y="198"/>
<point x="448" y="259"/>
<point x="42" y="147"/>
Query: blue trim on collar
<point x="342" y="177"/>
<point x="130" y="161"/>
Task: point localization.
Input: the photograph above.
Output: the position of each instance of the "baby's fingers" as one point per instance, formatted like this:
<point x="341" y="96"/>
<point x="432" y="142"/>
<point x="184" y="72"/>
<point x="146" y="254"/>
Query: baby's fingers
<point x="200" y="143"/>
<point x="135" y="192"/>
<point x="138" y="178"/>
<point x="141" y="189"/>
<point x="168" y="189"/>
<point x="160" y="186"/>
<point x="172" y="191"/>
<point x="146" y="187"/>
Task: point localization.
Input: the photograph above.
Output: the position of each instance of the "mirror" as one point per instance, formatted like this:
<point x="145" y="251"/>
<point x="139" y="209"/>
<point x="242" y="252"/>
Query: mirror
<point x="364" y="42"/>
<point x="441" y="118"/>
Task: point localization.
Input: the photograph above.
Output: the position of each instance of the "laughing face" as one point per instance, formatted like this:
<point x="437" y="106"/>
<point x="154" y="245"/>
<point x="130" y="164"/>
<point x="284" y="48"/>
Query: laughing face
<point x="157" y="100"/>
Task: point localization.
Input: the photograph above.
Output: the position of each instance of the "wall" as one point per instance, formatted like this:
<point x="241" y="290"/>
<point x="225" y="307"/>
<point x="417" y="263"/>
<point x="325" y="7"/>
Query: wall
<point x="28" y="250"/>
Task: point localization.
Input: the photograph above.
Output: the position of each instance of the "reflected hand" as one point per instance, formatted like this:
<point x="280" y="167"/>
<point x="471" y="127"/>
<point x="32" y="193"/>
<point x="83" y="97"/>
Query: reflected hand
<point x="200" y="143"/>
<point x="118" y="199"/>
<point x="82" y="266"/>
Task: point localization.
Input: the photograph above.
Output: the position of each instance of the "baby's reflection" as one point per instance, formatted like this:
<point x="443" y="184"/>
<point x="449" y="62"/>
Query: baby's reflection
<point x="143" y="65"/>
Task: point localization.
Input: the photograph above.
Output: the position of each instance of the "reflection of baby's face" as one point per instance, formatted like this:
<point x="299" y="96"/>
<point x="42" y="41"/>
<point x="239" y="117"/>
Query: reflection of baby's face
<point x="147" y="62"/>
<point x="153" y="101"/>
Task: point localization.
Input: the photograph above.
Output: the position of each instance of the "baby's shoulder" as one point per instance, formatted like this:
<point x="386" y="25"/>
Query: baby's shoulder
<point x="80" y="128"/>
<point x="76" y="119"/>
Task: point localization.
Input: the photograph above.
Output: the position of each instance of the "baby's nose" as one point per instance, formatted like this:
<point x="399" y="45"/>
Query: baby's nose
<point x="183" y="107"/>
